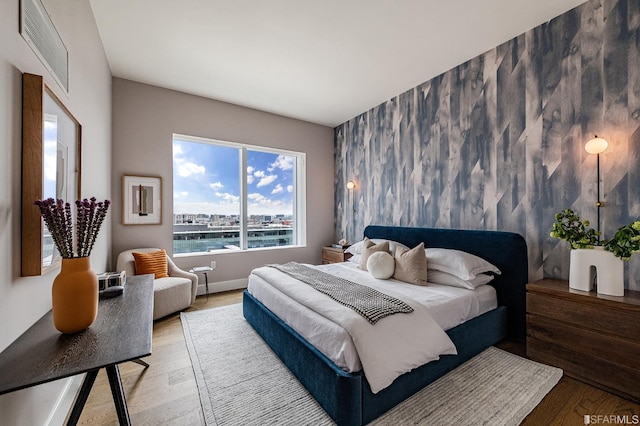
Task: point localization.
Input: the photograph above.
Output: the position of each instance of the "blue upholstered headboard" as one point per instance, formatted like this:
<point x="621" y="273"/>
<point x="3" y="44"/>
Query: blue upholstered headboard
<point x="506" y="250"/>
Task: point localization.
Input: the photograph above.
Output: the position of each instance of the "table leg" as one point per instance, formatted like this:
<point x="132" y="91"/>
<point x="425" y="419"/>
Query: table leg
<point x="206" y="284"/>
<point x="81" y="399"/>
<point x="141" y="362"/>
<point x="118" y="395"/>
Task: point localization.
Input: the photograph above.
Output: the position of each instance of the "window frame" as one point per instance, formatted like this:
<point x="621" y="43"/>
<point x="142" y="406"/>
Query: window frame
<point x="299" y="193"/>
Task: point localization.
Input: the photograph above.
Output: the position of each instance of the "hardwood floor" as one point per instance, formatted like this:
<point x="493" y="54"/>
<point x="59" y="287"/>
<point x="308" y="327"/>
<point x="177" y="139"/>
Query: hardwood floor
<point x="570" y="400"/>
<point x="166" y="393"/>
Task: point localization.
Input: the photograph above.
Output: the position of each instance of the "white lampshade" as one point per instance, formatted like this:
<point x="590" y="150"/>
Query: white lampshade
<point x="596" y="145"/>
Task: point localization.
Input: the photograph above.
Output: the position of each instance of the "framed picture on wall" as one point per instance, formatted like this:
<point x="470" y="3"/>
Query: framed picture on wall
<point x="141" y="203"/>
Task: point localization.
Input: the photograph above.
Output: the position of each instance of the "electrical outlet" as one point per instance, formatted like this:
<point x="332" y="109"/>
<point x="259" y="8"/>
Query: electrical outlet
<point x="213" y="264"/>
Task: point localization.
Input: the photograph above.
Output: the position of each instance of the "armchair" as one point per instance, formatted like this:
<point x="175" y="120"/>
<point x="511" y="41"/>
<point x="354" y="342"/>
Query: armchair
<point x="170" y="294"/>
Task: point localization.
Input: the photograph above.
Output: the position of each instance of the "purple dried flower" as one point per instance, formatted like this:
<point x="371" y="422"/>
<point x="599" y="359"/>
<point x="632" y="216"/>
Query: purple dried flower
<point x="57" y="216"/>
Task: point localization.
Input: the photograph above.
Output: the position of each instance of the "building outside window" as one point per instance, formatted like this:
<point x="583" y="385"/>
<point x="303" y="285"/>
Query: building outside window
<point x="232" y="196"/>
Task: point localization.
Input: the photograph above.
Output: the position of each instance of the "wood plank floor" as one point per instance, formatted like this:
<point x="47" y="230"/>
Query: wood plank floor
<point x="166" y="393"/>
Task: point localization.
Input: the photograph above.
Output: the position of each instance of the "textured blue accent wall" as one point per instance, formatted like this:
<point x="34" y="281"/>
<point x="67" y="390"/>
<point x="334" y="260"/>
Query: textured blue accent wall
<point x="498" y="142"/>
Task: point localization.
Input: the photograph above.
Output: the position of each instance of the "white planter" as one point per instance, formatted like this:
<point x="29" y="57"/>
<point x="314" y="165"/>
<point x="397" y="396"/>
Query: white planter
<point x="596" y="265"/>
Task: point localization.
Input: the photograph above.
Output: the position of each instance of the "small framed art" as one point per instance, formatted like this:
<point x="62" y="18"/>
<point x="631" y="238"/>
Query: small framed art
<point x="141" y="203"/>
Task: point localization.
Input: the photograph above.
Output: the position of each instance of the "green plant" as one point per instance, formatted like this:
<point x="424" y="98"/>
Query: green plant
<point x="571" y="228"/>
<point x="575" y="231"/>
<point x="625" y="242"/>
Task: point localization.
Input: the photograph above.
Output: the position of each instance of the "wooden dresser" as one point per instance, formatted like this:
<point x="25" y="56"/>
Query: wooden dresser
<point x="334" y="255"/>
<point x="595" y="339"/>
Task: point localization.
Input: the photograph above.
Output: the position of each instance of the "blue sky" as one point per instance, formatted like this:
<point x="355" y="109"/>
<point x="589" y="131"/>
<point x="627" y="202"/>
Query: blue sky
<point x="206" y="180"/>
<point x="50" y="161"/>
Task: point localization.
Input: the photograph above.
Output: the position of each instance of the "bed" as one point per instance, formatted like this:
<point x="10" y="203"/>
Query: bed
<point x="347" y="397"/>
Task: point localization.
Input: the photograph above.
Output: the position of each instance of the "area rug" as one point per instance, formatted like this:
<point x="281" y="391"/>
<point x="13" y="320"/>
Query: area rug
<point x="241" y="381"/>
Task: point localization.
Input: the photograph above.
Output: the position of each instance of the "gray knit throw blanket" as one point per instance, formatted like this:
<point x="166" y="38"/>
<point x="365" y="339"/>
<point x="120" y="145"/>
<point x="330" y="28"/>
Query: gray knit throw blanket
<point x="370" y="303"/>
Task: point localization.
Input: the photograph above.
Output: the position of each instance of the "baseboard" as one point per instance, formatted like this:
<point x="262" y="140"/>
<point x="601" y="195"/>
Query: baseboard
<point x="220" y="286"/>
<point x="62" y="406"/>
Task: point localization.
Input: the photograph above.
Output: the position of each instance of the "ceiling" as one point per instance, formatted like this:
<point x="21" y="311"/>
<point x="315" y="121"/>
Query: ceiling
<point x="322" y="61"/>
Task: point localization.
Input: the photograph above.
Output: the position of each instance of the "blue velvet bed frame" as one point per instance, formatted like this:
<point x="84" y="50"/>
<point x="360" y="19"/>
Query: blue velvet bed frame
<point x="347" y="397"/>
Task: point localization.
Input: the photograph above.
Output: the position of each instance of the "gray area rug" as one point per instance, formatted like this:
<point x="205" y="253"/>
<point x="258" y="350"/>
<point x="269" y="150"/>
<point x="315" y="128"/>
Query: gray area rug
<point x="242" y="382"/>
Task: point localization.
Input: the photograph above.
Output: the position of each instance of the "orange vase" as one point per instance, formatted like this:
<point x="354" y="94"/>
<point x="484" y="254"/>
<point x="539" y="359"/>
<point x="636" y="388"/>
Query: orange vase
<point x="74" y="296"/>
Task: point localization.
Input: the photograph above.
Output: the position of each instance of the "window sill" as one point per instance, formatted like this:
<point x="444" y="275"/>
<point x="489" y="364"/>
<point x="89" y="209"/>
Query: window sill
<point x="228" y="251"/>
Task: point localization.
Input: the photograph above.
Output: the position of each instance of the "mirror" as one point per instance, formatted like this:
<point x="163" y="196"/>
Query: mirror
<point x="51" y="142"/>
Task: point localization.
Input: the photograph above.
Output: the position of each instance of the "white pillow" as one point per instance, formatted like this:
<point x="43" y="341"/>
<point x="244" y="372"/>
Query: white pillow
<point x="459" y="263"/>
<point x="357" y="248"/>
<point x="369" y="248"/>
<point x="439" y="277"/>
<point x="381" y="265"/>
<point x="355" y="259"/>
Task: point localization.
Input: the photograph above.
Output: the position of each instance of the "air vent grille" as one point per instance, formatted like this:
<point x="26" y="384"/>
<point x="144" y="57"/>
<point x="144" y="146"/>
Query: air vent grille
<point x="40" y="33"/>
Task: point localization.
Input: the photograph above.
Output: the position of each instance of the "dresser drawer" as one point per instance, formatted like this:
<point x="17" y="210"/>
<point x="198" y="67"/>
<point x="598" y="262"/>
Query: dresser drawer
<point x="594" y="316"/>
<point x="605" y="347"/>
<point x="609" y="376"/>
<point x="593" y="338"/>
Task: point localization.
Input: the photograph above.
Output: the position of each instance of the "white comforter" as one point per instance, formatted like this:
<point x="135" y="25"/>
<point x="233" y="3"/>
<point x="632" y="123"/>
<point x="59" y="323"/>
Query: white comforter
<point x="393" y="346"/>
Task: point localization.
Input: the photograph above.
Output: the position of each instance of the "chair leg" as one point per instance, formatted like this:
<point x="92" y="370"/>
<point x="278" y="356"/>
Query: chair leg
<point x="141" y="362"/>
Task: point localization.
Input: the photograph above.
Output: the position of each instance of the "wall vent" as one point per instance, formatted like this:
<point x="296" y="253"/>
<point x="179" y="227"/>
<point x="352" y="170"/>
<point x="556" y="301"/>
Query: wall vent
<point x="39" y="32"/>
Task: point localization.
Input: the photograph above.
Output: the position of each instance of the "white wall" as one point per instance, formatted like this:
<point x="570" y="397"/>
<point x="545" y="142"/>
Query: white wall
<point x="144" y="120"/>
<point x="24" y="300"/>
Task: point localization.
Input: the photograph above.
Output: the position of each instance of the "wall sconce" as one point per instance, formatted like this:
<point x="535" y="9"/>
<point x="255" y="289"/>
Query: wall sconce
<point x="351" y="185"/>
<point x="597" y="146"/>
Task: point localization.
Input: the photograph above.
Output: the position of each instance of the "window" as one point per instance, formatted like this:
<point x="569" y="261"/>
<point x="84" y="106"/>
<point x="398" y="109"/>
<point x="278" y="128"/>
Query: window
<point x="234" y="196"/>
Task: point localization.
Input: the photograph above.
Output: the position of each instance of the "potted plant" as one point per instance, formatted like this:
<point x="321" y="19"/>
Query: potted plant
<point x="625" y="242"/>
<point x="75" y="288"/>
<point x="571" y="228"/>
<point x="593" y="260"/>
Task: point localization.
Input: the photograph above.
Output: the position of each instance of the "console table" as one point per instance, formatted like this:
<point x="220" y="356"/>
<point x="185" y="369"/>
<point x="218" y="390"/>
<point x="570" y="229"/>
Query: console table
<point x="121" y="332"/>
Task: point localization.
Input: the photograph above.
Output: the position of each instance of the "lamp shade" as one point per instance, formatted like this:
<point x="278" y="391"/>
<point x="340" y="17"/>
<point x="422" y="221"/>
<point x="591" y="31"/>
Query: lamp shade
<point x="596" y="145"/>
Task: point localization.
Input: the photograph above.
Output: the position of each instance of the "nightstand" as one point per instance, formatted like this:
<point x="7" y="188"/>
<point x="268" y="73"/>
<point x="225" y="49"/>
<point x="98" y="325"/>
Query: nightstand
<point x="334" y="255"/>
<point x="593" y="338"/>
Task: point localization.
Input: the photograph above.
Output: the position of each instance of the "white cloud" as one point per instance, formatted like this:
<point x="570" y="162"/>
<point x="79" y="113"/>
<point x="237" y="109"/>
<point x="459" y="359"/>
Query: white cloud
<point x="229" y="198"/>
<point x="177" y="149"/>
<point x="283" y="163"/>
<point x="289" y="188"/>
<point x="278" y="189"/>
<point x="188" y="169"/>
<point x="250" y="169"/>
<point x="267" y="180"/>
<point x="216" y="186"/>
<point x="250" y="179"/>
<point x="259" y="174"/>
<point x="256" y="198"/>
<point x="206" y="208"/>
<point x="259" y="204"/>
<point x="181" y="195"/>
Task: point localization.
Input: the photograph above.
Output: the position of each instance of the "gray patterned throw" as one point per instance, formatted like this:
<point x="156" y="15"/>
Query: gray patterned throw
<point x="366" y="301"/>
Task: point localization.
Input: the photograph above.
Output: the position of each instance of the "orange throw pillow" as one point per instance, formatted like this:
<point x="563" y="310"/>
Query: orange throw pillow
<point x="154" y="262"/>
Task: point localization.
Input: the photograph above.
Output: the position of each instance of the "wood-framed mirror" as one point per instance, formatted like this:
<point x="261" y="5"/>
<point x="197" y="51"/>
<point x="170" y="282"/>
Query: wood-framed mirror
<point x="51" y="153"/>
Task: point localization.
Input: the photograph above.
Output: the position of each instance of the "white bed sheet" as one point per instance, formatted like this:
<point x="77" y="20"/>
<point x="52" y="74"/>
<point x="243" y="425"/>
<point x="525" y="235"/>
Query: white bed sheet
<point x="449" y="306"/>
